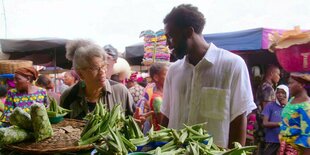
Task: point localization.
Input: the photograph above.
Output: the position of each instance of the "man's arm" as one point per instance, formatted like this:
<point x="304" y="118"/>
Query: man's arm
<point x="164" y="120"/>
<point x="237" y="130"/>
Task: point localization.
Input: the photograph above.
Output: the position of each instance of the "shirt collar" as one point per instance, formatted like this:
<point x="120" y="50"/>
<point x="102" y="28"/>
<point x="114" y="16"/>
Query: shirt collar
<point x="210" y="55"/>
<point x="108" y="87"/>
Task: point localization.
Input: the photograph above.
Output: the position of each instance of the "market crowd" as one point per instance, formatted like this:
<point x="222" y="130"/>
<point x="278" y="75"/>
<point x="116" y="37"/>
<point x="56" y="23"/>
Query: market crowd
<point x="206" y="84"/>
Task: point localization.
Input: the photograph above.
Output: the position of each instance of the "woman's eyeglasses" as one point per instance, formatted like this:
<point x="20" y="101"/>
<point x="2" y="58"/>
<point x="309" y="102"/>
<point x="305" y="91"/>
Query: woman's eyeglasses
<point x="98" y="69"/>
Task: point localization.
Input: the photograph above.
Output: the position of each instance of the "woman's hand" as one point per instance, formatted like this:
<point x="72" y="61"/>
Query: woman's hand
<point x="140" y="117"/>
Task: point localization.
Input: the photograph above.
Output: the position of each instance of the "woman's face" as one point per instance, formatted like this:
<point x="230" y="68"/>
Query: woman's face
<point x="160" y="78"/>
<point x="95" y="73"/>
<point x="21" y="82"/>
<point x="68" y="79"/>
<point x="130" y="84"/>
<point x="294" y="86"/>
<point x="281" y="96"/>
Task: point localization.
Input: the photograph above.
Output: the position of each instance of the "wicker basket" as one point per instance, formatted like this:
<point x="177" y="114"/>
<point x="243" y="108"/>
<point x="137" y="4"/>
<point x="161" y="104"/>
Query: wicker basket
<point x="61" y="142"/>
<point x="10" y="66"/>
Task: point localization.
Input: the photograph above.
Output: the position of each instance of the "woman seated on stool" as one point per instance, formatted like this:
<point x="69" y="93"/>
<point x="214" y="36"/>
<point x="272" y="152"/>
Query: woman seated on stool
<point x="25" y="93"/>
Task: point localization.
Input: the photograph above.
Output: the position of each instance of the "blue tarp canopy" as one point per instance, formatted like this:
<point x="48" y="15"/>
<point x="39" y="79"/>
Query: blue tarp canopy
<point x="251" y="40"/>
<point x="237" y="41"/>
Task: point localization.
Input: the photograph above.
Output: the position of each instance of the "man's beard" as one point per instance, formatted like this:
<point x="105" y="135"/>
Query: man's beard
<point x="180" y="51"/>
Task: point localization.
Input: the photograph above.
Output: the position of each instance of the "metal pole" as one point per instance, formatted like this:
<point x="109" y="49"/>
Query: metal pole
<point x="5" y="22"/>
<point x="55" y="78"/>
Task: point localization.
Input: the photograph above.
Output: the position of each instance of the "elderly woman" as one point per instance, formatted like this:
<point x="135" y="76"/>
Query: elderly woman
<point x="25" y="93"/>
<point x="71" y="78"/>
<point x="89" y="61"/>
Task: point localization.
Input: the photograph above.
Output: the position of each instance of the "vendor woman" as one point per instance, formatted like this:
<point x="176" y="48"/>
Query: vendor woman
<point x="295" y="132"/>
<point x="89" y="61"/>
<point x="25" y="93"/>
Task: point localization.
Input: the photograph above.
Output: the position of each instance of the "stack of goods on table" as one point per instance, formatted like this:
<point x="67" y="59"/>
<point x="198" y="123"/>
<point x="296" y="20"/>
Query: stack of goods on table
<point x="109" y="131"/>
<point x="155" y="47"/>
<point x="292" y="49"/>
<point x="113" y="133"/>
<point x="26" y="126"/>
<point x="33" y="132"/>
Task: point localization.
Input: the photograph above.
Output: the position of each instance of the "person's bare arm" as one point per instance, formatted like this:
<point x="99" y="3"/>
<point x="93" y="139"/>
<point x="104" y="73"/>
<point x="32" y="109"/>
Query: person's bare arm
<point x="263" y="104"/>
<point x="268" y="124"/>
<point x="164" y="120"/>
<point x="306" y="151"/>
<point x="237" y="130"/>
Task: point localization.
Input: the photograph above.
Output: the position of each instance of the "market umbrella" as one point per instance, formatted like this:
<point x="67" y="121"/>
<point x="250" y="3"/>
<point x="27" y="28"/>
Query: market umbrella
<point x="42" y="51"/>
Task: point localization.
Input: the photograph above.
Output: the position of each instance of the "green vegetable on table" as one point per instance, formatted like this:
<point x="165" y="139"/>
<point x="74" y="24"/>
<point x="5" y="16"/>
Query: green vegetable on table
<point x="54" y="110"/>
<point x="21" y="118"/>
<point x="40" y="122"/>
<point x="13" y="134"/>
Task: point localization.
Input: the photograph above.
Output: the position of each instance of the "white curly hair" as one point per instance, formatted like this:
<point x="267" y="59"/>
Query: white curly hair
<point x="80" y="52"/>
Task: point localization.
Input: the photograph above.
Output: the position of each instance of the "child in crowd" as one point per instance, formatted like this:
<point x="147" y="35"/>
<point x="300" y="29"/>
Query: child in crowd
<point x="158" y="73"/>
<point x="151" y="101"/>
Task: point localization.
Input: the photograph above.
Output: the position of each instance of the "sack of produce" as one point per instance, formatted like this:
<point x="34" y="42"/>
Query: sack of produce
<point x="21" y="118"/>
<point x="41" y="125"/>
<point x="13" y="134"/>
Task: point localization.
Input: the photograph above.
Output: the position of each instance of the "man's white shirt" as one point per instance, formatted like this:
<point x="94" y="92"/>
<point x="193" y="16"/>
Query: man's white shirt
<point x="216" y="91"/>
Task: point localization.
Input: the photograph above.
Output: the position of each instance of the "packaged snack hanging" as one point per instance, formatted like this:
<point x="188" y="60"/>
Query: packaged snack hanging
<point x="155" y="47"/>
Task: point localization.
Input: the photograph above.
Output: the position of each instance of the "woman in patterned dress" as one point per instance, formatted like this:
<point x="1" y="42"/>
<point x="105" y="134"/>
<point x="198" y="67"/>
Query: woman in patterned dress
<point x="25" y="93"/>
<point x="295" y="126"/>
<point x="134" y="88"/>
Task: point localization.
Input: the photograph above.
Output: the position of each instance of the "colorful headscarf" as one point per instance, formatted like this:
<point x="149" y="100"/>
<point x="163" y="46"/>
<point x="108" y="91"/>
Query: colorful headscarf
<point x="74" y="75"/>
<point x="135" y="77"/>
<point x="27" y="72"/>
<point x="301" y="77"/>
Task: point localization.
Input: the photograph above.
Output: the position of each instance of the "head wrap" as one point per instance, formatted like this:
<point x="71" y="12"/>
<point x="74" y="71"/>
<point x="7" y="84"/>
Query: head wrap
<point x="303" y="78"/>
<point x="135" y="77"/>
<point x="285" y="88"/>
<point x="27" y="72"/>
<point x="74" y="75"/>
